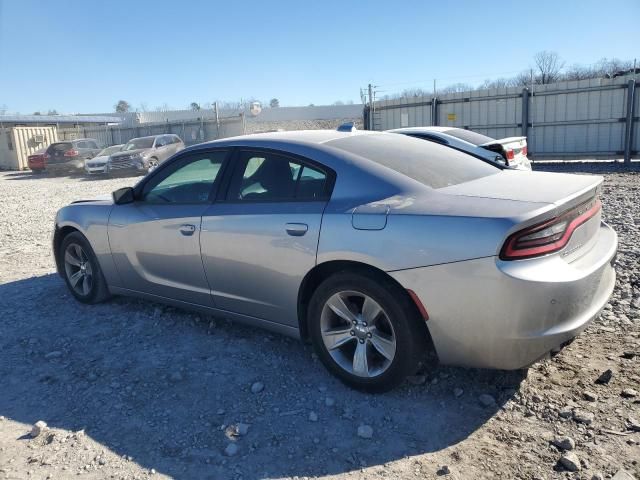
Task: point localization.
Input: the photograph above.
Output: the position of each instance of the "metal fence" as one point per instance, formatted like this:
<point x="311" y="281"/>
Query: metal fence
<point x="191" y="132"/>
<point x="592" y="118"/>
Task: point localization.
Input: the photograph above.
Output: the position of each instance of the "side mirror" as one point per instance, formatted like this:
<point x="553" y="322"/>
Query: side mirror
<point x="123" y="196"/>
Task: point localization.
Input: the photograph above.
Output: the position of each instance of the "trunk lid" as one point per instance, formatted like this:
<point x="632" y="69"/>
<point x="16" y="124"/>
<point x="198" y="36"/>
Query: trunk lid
<point x="513" y="149"/>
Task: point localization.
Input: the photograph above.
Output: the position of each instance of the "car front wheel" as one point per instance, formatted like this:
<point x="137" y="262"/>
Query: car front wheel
<point x="81" y="269"/>
<point x="365" y="331"/>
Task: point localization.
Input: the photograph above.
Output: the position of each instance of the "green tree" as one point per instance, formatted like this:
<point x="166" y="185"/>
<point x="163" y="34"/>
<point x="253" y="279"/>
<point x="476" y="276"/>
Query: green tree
<point x="122" y="106"/>
<point x="274" y="103"/>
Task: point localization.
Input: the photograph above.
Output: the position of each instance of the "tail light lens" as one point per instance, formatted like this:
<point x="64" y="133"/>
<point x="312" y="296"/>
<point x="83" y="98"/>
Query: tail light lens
<point x="510" y="154"/>
<point x="524" y="151"/>
<point x="550" y="235"/>
<point x="71" y="153"/>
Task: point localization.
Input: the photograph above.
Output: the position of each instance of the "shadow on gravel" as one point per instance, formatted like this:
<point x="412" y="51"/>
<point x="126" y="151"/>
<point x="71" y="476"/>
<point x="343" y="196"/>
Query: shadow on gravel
<point x="157" y="384"/>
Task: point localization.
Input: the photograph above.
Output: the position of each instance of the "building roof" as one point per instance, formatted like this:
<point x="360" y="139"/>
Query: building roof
<point x="58" y="119"/>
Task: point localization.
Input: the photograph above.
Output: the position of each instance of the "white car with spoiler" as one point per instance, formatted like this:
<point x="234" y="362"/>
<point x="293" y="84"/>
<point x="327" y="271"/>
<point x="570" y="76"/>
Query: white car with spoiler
<point x="511" y="151"/>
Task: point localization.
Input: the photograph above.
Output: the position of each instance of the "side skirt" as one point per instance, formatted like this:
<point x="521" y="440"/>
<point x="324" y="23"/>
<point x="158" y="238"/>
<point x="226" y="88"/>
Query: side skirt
<point x="238" y="317"/>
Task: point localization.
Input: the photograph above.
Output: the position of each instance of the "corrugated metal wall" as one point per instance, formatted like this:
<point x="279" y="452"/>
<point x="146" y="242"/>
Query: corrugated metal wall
<point x="579" y="118"/>
<point x="17" y="143"/>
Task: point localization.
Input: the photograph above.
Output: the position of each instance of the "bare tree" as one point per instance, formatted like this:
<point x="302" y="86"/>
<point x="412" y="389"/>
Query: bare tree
<point x="122" y="106"/>
<point x="274" y="103"/>
<point x="53" y="112"/>
<point x="144" y="107"/>
<point x="3" y="109"/>
<point x="548" y="67"/>
<point x="338" y="102"/>
<point x="455" y="88"/>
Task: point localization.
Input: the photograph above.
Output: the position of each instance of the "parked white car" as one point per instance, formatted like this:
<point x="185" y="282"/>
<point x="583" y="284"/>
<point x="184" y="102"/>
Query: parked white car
<point x="98" y="164"/>
<point x="511" y="151"/>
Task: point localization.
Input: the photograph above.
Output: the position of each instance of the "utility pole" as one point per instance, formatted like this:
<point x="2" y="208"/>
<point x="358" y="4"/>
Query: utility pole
<point x="370" y="107"/>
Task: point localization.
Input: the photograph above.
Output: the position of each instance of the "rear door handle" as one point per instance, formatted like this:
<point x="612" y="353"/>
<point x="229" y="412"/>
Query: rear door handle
<point x="187" y="229"/>
<point x="297" y="229"/>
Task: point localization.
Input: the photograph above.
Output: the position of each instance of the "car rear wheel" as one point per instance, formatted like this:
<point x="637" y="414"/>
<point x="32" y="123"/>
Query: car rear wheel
<point x="81" y="269"/>
<point x="365" y="331"/>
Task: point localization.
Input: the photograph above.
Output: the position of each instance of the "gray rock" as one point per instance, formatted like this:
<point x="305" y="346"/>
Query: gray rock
<point x="231" y="450"/>
<point x="365" y="431"/>
<point x="458" y="392"/>
<point x="589" y="396"/>
<point x="486" y="400"/>
<point x="571" y="462"/>
<point x="257" y="387"/>
<point x="564" y="443"/>
<point x="629" y="393"/>
<point x="597" y="476"/>
<point x="443" y="470"/>
<point x="329" y="402"/>
<point x="38" y="428"/>
<point x="242" y="429"/>
<point x="417" y="379"/>
<point x="54" y="354"/>
<point x="176" y="377"/>
<point x="605" y="377"/>
<point x="622" y="474"/>
<point x="582" y="416"/>
<point x="566" y="412"/>
<point x="633" y="424"/>
<point x="313" y="416"/>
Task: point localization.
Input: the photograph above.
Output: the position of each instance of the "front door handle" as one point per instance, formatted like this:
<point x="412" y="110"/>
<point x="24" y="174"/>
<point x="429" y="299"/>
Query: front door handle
<point x="297" y="229"/>
<point x="187" y="229"/>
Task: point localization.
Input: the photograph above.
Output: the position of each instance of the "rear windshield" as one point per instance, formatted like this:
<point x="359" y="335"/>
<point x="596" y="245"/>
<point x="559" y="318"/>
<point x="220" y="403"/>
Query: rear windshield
<point x="60" y="147"/>
<point x="468" y="136"/>
<point x="429" y="163"/>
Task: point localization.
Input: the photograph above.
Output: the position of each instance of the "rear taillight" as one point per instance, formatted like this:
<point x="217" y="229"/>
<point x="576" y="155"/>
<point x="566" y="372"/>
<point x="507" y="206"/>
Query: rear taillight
<point x="550" y="235"/>
<point x="510" y="154"/>
<point x="71" y="153"/>
<point x="524" y="150"/>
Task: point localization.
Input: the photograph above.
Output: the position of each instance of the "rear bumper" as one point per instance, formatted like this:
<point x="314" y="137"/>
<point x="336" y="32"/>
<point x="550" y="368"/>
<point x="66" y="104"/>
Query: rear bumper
<point x="495" y="314"/>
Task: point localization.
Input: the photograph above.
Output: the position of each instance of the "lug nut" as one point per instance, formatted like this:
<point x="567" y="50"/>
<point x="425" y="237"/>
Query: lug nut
<point x="352" y="332"/>
<point x="361" y="340"/>
<point x="364" y="324"/>
<point x="369" y="335"/>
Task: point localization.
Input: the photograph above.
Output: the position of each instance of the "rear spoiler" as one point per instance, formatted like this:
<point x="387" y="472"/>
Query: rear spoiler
<point x="503" y="141"/>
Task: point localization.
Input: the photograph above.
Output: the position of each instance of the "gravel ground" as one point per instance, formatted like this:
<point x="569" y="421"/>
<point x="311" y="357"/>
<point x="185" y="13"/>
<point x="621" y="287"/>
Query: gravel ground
<point x="132" y="389"/>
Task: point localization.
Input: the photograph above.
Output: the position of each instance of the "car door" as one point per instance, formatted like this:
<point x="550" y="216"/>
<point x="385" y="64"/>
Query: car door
<point x="155" y="241"/>
<point x="160" y="150"/>
<point x="258" y="244"/>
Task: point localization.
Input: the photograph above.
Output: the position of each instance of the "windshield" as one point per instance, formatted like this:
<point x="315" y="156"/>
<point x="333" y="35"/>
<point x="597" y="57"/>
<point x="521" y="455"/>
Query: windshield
<point x="469" y="136"/>
<point x="109" y="150"/>
<point x="431" y="164"/>
<point x="137" y="143"/>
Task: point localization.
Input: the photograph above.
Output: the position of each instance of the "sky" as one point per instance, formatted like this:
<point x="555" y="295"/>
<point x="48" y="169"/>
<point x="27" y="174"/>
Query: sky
<point x="84" y="56"/>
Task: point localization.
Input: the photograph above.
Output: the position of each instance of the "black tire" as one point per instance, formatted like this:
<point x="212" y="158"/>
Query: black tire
<point x="98" y="290"/>
<point x="410" y="335"/>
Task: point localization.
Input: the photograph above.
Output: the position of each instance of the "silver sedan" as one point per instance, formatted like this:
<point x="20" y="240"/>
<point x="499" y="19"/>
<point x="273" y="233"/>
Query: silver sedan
<point x="376" y="247"/>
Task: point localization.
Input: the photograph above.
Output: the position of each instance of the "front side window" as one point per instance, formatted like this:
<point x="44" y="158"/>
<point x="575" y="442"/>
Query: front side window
<point x="190" y="181"/>
<point x="138" y="143"/>
<point x="273" y="177"/>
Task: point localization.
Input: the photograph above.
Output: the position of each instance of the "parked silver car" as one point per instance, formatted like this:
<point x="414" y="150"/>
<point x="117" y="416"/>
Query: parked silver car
<point x="145" y="153"/>
<point x="99" y="163"/>
<point x="511" y="151"/>
<point x="374" y="246"/>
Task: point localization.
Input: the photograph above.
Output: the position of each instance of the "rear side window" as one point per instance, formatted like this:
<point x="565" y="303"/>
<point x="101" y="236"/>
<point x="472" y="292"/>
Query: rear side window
<point x="469" y="136"/>
<point x="433" y="165"/>
<point x="91" y="144"/>
<point x="272" y="177"/>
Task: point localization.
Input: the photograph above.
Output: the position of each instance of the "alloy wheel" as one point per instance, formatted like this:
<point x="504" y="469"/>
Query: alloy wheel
<point x="358" y="333"/>
<point x="78" y="269"/>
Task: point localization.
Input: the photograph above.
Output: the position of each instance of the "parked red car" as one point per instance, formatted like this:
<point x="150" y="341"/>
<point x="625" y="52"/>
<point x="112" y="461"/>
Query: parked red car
<point x="36" y="161"/>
